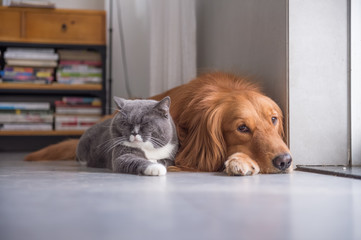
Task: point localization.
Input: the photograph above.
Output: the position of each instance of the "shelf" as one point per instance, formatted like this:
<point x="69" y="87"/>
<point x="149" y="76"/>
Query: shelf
<point x="84" y="30"/>
<point x="54" y="86"/>
<point x="42" y="133"/>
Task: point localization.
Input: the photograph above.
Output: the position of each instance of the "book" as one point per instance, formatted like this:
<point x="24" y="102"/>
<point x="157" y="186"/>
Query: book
<point x="28" y="74"/>
<point x="78" y="110"/>
<point x="80" y="62"/>
<point x="24" y="53"/>
<point x="79" y="67"/>
<point x="26" y="126"/>
<point x="25" y="111"/>
<point x="66" y="107"/>
<point x="76" y="122"/>
<point x="72" y="80"/>
<point x="24" y="106"/>
<point x="25" y="118"/>
<point x="32" y="4"/>
<point x="35" y="50"/>
<point x="35" y="81"/>
<point x="81" y="55"/>
<point x="31" y="63"/>
<point x="81" y="101"/>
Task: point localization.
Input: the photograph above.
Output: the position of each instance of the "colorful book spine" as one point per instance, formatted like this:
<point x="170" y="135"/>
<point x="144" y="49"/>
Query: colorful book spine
<point x="82" y="100"/>
<point x="28" y="74"/>
<point x="79" y="67"/>
<point x="25" y="118"/>
<point x="24" y="106"/>
<point x="26" y="126"/>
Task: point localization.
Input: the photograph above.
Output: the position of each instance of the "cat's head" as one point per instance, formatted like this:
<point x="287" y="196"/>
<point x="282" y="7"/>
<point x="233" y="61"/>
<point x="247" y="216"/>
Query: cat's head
<point x="143" y="122"/>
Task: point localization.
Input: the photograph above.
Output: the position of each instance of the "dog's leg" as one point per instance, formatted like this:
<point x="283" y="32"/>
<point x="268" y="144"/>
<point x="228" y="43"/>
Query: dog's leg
<point x="241" y="164"/>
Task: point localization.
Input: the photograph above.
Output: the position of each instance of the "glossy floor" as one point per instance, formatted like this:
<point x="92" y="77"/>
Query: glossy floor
<point x="62" y="200"/>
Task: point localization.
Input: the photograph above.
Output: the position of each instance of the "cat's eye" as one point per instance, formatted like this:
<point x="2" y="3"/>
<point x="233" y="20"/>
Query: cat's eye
<point x="243" y="129"/>
<point x="274" y="120"/>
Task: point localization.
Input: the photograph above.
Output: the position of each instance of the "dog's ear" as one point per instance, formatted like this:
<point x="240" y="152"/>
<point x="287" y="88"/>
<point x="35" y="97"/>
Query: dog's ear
<point x="203" y="146"/>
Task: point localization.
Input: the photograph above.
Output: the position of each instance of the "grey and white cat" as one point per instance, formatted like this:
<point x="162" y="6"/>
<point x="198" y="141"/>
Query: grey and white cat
<point x="141" y="139"/>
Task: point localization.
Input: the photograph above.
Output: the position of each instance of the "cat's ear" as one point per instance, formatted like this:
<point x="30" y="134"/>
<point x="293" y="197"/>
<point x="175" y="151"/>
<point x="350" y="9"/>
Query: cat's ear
<point x="162" y="107"/>
<point x="120" y="102"/>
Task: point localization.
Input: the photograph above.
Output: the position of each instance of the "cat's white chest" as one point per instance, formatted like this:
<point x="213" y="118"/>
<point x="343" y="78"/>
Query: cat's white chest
<point x="151" y="153"/>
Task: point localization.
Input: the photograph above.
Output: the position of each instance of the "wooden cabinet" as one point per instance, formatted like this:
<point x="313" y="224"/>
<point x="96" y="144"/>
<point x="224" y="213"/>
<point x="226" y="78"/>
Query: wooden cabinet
<point x="10" y="25"/>
<point x="52" y="26"/>
<point x="57" y="29"/>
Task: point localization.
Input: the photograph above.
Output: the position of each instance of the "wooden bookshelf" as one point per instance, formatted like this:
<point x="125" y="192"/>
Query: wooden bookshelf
<point x="60" y="29"/>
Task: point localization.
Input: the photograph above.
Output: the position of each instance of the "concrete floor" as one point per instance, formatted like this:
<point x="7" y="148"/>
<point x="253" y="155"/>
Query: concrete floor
<point x="62" y="200"/>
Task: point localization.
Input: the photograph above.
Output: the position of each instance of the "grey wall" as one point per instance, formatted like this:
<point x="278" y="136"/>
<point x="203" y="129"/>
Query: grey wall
<point x="318" y="81"/>
<point x="356" y="81"/>
<point x="247" y="37"/>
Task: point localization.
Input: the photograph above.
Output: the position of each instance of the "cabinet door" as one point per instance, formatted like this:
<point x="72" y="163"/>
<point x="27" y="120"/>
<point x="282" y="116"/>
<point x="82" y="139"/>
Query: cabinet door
<point x="10" y="22"/>
<point x="65" y="27"/>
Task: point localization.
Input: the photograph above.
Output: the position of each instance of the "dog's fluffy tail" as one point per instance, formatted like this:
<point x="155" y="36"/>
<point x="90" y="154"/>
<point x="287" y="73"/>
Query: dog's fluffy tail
<point x="64" y="150"/>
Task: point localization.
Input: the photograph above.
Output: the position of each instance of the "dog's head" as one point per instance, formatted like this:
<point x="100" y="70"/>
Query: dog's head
<point x="224" y="121"/>
<point x="253" y="124"/>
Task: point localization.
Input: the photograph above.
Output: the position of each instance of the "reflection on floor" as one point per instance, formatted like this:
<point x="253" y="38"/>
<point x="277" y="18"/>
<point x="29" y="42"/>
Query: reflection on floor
<point x="62" y="200"/>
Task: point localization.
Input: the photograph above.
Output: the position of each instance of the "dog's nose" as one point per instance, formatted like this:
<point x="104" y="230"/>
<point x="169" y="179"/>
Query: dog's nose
<point x="282" y="162"/>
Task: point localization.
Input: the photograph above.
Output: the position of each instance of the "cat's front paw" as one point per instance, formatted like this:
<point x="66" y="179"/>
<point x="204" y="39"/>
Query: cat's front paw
<point x="155" y="169"/>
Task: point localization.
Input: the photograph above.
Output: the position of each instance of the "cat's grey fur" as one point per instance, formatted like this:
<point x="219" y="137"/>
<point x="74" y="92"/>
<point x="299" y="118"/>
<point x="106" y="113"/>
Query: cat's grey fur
<point x="140" y="139"/>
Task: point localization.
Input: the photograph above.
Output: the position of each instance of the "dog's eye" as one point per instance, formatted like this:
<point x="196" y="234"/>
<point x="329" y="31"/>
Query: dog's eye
<point x="243" y="129"/>
<point x="274" y="120"/>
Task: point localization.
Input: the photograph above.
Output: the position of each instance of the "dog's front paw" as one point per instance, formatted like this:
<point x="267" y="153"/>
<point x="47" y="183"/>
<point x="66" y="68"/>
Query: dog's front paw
<point x="155" y="169"/>
<point x="241" y="164"/>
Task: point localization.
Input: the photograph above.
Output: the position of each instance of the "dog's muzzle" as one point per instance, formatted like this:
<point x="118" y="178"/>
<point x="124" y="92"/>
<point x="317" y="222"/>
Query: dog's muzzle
<point x="282" y="162"/>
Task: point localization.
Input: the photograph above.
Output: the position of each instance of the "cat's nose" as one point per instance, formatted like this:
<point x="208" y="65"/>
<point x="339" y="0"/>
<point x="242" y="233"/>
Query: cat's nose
<point x="136" y="137"/>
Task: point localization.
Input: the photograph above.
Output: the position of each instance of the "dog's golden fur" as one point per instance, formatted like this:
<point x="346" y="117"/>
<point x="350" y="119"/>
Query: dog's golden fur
<point x="208" y="113"/>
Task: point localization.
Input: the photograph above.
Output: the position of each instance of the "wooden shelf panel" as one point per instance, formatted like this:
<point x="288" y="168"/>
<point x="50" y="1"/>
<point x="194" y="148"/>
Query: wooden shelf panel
<point x="53" y="26"/>
<point x="43" y="133"/>
<point x="60" y="87"/>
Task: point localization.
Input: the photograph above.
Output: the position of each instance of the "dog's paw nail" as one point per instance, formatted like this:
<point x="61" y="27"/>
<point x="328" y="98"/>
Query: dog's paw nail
<point x="248" y="173"/>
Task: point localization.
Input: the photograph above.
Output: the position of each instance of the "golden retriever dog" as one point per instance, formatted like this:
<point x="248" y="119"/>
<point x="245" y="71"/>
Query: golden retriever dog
<point x="223" y="122"/>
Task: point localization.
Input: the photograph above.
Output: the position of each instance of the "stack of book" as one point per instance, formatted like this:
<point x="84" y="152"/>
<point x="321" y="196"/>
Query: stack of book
<point x="28" y="75"/>
<point x="29" y="65"/>
<point x="25" y="116"/>
<point x="1" y="72"/>
<point x="77" y="113"/>
<point x="79" y="67"/>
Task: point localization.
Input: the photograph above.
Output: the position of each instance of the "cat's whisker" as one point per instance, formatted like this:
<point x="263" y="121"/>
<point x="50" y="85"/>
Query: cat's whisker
<point x="111" y="143"/>
<point x="113" y="139"/>
<point x="157" y="141"/>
